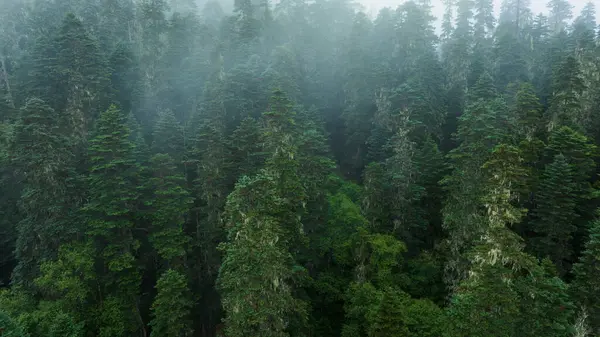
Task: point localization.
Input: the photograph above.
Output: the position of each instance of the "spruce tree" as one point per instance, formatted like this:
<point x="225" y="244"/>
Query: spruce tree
<point x="169" y="207"/>
<point x="585" y="285"/>
<point x="172" y="306"/>
<point x="555" y="214"/>
<point x="245" y="148"/>
<point x="168" y="136"/>
<point x="43" y="155"/>
<point x="263" y="219"/>
<point x="479" y="131"/>
<point x="257" y="269"/>
<point x="110" y="212"/>
<point x="528" y="110"/>
<point x="70" y="74"/>
<point x="389" y="317"/>
<point x="567" y="84"/>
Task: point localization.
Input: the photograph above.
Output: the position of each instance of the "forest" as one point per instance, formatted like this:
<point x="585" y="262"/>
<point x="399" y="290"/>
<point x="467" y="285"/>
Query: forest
<point x="298" y="168"/>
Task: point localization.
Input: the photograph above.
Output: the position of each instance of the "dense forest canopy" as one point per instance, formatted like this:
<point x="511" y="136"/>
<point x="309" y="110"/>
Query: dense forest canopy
<point x="173" y="168"/>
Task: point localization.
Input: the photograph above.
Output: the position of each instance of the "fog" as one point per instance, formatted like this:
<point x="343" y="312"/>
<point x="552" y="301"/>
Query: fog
<point x="299" y="168"/>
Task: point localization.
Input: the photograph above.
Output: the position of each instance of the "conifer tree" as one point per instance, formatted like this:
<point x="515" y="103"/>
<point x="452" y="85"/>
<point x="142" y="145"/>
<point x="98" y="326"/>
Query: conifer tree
<point x="568" y="86"/>
<point x="245" y="148"/>
<point x="545" y="303"/>
<point x="479" y="131"/>
<point x="110" y="211"/>
<point x="43" y="154"/>
<point x="560" y="12"/>
<point x="125" y="79"/>
<point x="486" y="296"/>
<point x="390" y="316"/>
<point x="528" y="110"/>
<point x="585" y="285"/>
<point x="169" y="206"/>
<point x="168" y="136"/>
<point x="171" y="307"/>
<point x="555" y="214"/>
<point x="70" y="75"/>
<point x="263" y="220"/>
<point x="254" y="279"/>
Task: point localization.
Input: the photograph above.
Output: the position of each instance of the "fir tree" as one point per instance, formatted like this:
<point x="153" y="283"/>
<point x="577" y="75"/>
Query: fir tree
<point x="555" y="214"/>
<point x="168" y="137"/>
<point x="110" y="214"/>
<point x="585" y="285"/>
<point x="254" y="279"/>
<point x="43" y="155"/>
<point x="390" y="316"/>
<point x="171" y="307"/>
<point x="70" y="75"/>
<point x="568" y="86"/>
<point x="169" y="206"/>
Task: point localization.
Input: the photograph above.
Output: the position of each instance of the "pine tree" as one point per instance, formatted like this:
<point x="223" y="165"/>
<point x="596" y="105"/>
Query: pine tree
<point x="480" y="130"/>
<point x="390" y="316"/>
<point x="528" y="110"/>
<point x="486" y="303"/>
<point x="110" y="211"/>
<point x="70" y="75"/>
<point x="560" y="12"/>
<point x="168" y="137"/>
<point x="555" y="214"/>
<point x="9" y="211"/>
<point x="43" y="154"/>
<point x="254" y="279"/>
<point x="460" y="46"/>
<point x="126" y="79"/>
<point x="565" y="108"/>
<point x="263" y="216"/>
<point x="153" y="22"/>
<point x="246" y="151"/>
<point x="171" y="307"/>
<point x="546" y="307"/>
<point x="585" y="285"/>
<point x="169" y="207"/>
<point x="280" y="141"/>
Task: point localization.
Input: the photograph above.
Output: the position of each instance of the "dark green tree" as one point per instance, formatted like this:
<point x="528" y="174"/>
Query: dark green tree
<point x="43" y="155"/>
<point x="584" y="286"/>
<point x="555" y="214"/>
<point x="171" y="307"/>
<point x="110" y="211"/>
<point x="70" y="75"/>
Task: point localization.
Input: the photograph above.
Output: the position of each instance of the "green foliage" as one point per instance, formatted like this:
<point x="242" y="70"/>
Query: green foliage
<point x="585" y="286"/>
<point x="9" y="328"/>
<point x="394" y="185"/>
<point x="110" y="213"/>
<point x="70" y="277"/>
<point x="485" y="305"/>
<point x="168" y="137"/>
<point x="171" y="307"/>
<point x="555" y="214"/>
<point x="169" y="206"/>
<point x="254" y="279"/>
<point x="389" y="315"/>
<point x="43" y="156"/>
<point x="70" y="74"/>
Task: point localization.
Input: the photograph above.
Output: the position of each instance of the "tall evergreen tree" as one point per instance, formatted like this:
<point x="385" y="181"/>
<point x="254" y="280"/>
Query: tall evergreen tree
<point x="584" y="288"/>
<point x="555" y="214"/>
<point x="70" y="74"/>
<point x="43" y="154"/>
<point x="111" y="211"/>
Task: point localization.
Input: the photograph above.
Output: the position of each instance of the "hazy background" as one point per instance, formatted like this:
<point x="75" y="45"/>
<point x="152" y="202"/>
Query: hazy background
<point x="537" y="6"/>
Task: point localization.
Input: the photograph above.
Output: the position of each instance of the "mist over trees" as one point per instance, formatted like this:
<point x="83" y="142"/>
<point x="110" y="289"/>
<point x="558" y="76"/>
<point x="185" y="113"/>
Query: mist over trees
<point x="174" y="168"/>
